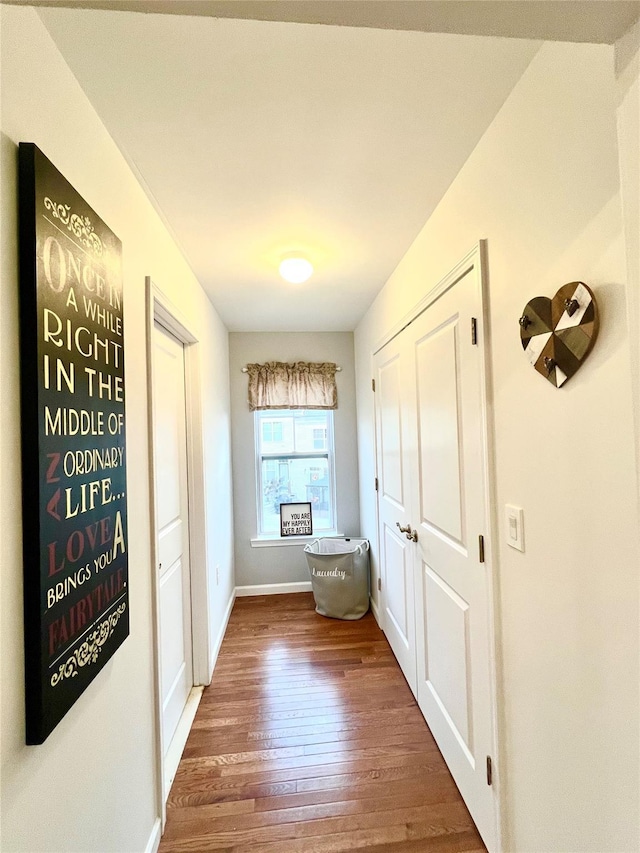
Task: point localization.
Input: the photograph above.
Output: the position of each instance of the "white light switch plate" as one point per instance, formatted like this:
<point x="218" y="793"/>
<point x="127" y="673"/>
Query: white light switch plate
<point x="514" y="521"/>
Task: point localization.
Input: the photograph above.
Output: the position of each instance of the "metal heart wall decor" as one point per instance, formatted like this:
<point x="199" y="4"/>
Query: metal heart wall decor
<point x="558" y="334"/>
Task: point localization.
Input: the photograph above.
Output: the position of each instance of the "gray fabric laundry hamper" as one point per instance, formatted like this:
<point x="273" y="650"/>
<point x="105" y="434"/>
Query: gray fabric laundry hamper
<point x="339" y="569"/>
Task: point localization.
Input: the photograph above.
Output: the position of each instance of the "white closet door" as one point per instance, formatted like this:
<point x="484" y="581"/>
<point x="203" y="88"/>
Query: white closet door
<point x="452" y="591"/>
<point x="170" y="449"/>
<point x="431" y="465"/>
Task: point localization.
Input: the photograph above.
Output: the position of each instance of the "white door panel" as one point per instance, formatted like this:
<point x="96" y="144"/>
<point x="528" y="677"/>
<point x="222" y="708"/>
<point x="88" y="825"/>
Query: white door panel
<point x="446" y="618"/>
<point x="399" y="569"/>
<point x="174" y="670"/>
<point x="171" y="542"/>
<point x="391" y="439"/>
<point x="394" y="479"/>
<point x="438" y="430"/>
<point x="168" y="432"/>
<point x="172" y="618"/>
<point x="170" y="467"/>
<point x="431" y="379"/>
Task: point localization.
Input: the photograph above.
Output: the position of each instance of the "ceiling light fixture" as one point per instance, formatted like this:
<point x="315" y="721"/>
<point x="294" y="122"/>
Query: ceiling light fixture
<point x="295" y="269"/>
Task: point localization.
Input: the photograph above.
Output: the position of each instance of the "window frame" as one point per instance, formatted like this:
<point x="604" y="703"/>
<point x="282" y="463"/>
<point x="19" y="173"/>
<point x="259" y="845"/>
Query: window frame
<point x="328" y="454"/>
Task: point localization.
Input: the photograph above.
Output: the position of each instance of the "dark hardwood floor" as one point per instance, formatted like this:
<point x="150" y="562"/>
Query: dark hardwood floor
<point x="309" y="741"/>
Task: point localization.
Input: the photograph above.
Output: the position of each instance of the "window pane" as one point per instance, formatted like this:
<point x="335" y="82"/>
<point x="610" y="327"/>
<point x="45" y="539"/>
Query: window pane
<point x="276" y="433"/>
<point x="307" y="425"/>
<point x="299" y="479"/>
<point x="320" y="439"/>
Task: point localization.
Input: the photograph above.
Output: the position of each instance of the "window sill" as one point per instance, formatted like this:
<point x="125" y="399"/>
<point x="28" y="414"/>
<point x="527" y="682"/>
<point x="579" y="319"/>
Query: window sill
<point x="280" y="541"/>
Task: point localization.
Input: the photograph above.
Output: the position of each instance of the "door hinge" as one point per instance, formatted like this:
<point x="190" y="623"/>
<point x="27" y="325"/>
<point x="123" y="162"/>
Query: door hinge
<point x="481" y="548"/>
<point x="376" y="482"/>
<point x="379" y="584"/>
<point x="489" y="771"/>
<point x="474" y="331"/>
<point x="373" y="384"/>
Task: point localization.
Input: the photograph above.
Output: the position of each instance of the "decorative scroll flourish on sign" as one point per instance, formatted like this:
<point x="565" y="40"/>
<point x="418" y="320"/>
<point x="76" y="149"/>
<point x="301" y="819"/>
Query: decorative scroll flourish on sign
<point x="88" y="652"/>
<point x="79" y="225"/>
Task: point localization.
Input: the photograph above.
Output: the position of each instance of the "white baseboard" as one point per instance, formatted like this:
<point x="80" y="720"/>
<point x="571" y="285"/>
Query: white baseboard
<point x="273" y="588"/>
<point x="215" y="649"/>
<point x="154" y="839"/>
<point x="375" y="611"/>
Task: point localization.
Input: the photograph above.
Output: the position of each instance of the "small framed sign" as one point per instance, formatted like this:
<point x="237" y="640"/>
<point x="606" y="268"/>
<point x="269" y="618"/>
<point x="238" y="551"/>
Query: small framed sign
<point x="295" y="519"/>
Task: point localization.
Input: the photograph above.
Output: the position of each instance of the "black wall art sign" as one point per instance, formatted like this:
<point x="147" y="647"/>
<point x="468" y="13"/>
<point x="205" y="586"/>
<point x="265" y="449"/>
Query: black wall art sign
<point x="73" y="443"/>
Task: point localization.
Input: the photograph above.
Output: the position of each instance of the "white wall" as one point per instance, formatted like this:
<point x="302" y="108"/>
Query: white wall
<point x="286" y="563"/>
<point x="91" y="786"/>
<point x="628" y="99"/>
<point x="542" y="186"/>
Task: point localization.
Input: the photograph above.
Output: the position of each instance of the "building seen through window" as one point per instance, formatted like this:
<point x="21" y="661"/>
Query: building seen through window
<point x="295" y="464"/>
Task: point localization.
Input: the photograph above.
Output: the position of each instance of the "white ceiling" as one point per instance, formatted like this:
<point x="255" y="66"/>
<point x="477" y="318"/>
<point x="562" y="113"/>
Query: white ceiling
<point x="257" y="138"/>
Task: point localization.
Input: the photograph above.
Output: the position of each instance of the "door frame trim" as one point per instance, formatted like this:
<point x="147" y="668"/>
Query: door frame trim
<point x="477" y="257"/>
<point x="474" y="257"/>
<point x="160" y="309"/>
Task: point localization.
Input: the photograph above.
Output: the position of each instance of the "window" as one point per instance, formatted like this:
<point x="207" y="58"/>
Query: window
<point x="319" y="439"/>
<point x="271" y="432"/>
<point x="294" y="463"/>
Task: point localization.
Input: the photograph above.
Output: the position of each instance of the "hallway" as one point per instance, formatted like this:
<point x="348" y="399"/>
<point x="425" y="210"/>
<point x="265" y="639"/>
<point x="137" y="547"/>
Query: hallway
<point x="309" y="739"/>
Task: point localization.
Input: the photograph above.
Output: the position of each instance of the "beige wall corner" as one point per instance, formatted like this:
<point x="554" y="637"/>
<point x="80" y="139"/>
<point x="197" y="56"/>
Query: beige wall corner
<point x="627" y="52"/>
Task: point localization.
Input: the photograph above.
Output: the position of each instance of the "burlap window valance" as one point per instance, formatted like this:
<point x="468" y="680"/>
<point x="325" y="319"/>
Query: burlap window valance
<point x="299" y="385"/>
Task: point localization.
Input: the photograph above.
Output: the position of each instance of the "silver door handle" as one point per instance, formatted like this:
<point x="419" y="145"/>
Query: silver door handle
<point x="410" y="534"/>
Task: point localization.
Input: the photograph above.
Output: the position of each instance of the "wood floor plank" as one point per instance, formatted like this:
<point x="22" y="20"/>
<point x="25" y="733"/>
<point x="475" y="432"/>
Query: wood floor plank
<point x="332" y="834"/>
<point x="349" y="700"/>
<point x="317" y="741"/>
<point x="285" y="719"/>
<point x="310" y="822"/>
<point x="310" y="693"/>
<point x="403" y="791"/>
<point x="308" y="740"/>
<point x="308" y="778"/>
<point x="307" y="762"/>
<point x="232" y="807"/>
